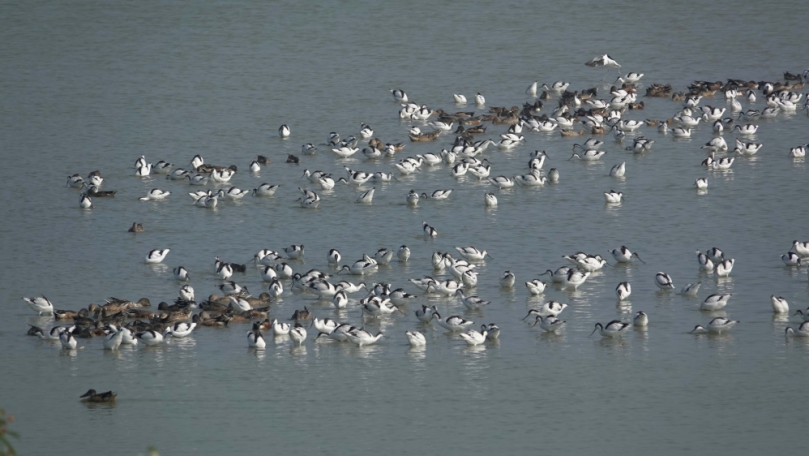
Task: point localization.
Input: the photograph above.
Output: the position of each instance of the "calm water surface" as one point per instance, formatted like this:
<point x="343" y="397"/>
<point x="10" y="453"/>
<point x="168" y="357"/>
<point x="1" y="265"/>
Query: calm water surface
<point x="88" y="85"/>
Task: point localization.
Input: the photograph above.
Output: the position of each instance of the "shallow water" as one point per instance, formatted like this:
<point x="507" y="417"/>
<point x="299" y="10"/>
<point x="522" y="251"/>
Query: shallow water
<point x="88" y="86"/>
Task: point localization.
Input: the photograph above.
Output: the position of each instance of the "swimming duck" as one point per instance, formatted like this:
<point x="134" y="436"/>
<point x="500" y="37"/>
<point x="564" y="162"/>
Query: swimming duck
<point x="92" y="396"/>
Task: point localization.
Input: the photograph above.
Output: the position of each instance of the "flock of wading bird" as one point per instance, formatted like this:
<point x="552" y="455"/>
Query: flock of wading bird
<point x="123" y="322"/>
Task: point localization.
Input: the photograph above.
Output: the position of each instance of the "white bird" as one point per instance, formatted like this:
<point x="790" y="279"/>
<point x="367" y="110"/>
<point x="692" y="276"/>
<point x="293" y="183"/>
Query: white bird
<point x="453" y="323"/>
<point x="716" y="144"/>
<point x="747" y="148"/>
<point x="588" y="155"/>
<point x="705" y="263"/>
<point x="197" y="179"/>
<point x="239" y="304"/>
<point x="413" y="198"/>
<point x="641" y="319"/>
<point x="180" y="329"/>
<point x="802" y="331"/>
<point x="362" y="337"/>
<point x="624" y="255"/>
<point x="715" y="302"/>
<point x="383" y="256"/>
<point x="155" y="194"/>
<point x="275" y="288"/>
<point x="618" y="170"/>
<point x="791" y="259"/>
<point x="367" y="196"/>
<point x="631" y="78"/>
<point x="531" y="91"/>
<point x="399" y="95"/>
<point x="460" y="99"/>
<point x="181" y="274"/>
<point x="679" y="132"/>
<point x="334" y="257"/>
<point x="326" y="325"/>
<point x="701" y="183"/>
<point x="480" y="100"/>
<point x="716" y="255"/>
<point x="590" y="263"/>
<point x="345" y="151"/>
<point x="559" y="276"/>
<point x="403" y="254"/>
<point x="265" y="190"/>
<point x="128" y="337"/>
<point x="366" y="132"/>
<point x="351" y="288"/>
<point x="340" y="299"/>
<point x="157" y="256"/>
<point x="85" y="202"/>
<point x="360" y="267"/>
<point x="416" y="339"/>
<point x="255" y="339"/>
<point x="445" y="287"/>
<point x="283" y="131"/>
<point x="280" y="329"/>
<point x="68" y="341"/>
<point x="41" y="305"/>
<point x="552" y="308"/>
<point x="557" y="87"/>
<point x="150" y="337"/>
<point x="233" y="193"/>
<point x="801" y="248"/>
<point x="716" y="326"/>
<point x="471" y="302"/>
<point x="490" y="200"/>
<point x="267" y="273"/>
<point x="575" y="278"/>
<point x="144" y="170"/>
<point x="602" y="61"/>
<point x="472" y="253"/>
<point x="613" y="197"/>
<point x="723" y="269"/>
<point x="425" y="314"/>
<point x="691" y="289"/>
<point x="502" y="182"/>
<point x="473" y="337"/>
<point x="623" y="290"/>
<point x="298" y="335"/>
<point x="663" y="281"/>
<point x="549" y="324"/>
<point x="187" y="292"/>
<point x="535" y="287"/>
<point x="492" y="331"/>
<point x="779" y="304"/>
<point x="294" y="251"/>
<point x="428" y="230"/>
<point x="224" y="271"/>
<point x="613" y="329"/>
<point x="507" y="279"/>
<point x="746" y="130"/>
<point x="232" y="288"/>
<point x="798" y="152"/>
<point x="221" y="176"/>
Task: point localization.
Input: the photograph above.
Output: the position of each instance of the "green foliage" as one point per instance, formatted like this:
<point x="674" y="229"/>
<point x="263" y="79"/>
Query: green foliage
<point x="5" y="446"/>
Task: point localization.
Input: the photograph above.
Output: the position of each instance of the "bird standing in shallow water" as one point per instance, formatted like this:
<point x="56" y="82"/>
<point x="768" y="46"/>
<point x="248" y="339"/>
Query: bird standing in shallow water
<point x="613" y="329"/>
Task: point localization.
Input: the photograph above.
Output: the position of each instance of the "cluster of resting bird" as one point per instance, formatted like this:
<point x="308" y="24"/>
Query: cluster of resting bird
<point x="122" y="322"/>
<point x="574" y="114"/>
